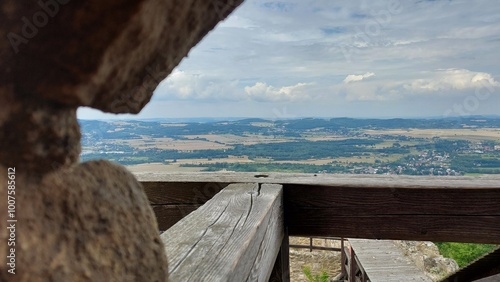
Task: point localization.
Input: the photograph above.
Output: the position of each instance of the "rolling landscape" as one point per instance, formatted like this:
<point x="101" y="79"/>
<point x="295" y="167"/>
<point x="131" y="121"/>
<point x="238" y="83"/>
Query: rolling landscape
<point x="451" y="146"/>
<point x="437" y="147"/>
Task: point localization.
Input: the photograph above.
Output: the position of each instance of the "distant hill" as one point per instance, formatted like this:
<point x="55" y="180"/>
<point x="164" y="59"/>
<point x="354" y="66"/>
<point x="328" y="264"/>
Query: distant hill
<point x="445" y="146"/>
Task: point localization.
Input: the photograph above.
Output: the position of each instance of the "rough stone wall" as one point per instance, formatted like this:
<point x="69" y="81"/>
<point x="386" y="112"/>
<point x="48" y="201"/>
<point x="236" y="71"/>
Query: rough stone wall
<point x="91" y="221"/>
<point x="427" y="257"/>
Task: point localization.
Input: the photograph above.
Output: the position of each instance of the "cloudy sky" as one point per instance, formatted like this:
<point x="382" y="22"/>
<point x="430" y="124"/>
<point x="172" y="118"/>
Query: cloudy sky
<point x="325" y="58"/>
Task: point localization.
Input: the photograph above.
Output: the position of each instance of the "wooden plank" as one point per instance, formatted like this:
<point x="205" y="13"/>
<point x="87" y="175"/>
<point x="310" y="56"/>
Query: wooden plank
<point x="352" y="266"/>
<point x="168" y="215"/>
<point x="172" y="201"/>
<point x="383" y="261"/>
<point x="396" y="201"/>
<point x="315" y="248"/>
<point x="181" y="192"/>
<point x="484" y="267"/>
<point x="235" y="236"/>
<point x="335" y="180"/>
<point x="281" y="269"/>
<point x="447" y="214"/>
<point x="461" y="209"/>
<point x="494" y="278"/>
<point x="474" y="229"/>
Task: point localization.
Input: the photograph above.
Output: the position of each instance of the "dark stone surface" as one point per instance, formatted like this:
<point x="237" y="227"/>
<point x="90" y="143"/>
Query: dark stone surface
<point x="109" y="55"/>
<point x="38" y="136"/>
<point x="91" y="222"/>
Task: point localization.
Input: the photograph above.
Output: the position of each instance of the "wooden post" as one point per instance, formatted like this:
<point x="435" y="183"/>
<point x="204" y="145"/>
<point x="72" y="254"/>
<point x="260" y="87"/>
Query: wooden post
<point x="235" y="236"/>
<point x="352" y="265"/>
<point x="281" y="270"/>
<point x="285" y="258"/>
<point x="343" y="258"/>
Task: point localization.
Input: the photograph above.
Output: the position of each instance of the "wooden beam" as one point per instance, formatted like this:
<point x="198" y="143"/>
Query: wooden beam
<point x="408" y="213"/>
<point x="281" y="269"/>
<point x="461" y="209"/>
<point x="335" y="180"/>
<point x="172" y="201"/>
<point x="168" y="215"/>
<point x="171" y="193"/>
<point x="235" y="236"/>
<point x="486" y="266"/>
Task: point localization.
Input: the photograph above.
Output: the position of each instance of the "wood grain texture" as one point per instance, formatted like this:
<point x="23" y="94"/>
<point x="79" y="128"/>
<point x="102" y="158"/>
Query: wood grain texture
<point x="486" y="266"/>
<point x="446" y="214"/>
<point x="168" y="215"/>
<point x="235" y="236"/>
<point x="395" y="201"/>
<point x="171" y="201"/>
<point x="281" y="269"/>
<point x="335" y="180"/>
<point x="460" y="209"/>
<point x="480" y="229"/>
<point x="181" y="192"/>
<point x="385" y="262"/>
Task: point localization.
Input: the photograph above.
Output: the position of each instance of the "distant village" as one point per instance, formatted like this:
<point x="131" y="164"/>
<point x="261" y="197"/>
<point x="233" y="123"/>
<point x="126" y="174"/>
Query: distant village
<point x="348" y="146"/>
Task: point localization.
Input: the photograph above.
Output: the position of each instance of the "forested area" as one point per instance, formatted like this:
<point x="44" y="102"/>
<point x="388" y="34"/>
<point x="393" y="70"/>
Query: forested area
<point x="376" y="146"/>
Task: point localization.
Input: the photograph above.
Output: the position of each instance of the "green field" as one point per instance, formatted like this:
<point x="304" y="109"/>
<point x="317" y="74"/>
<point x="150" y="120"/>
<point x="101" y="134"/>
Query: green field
<point x="414" y="147"/>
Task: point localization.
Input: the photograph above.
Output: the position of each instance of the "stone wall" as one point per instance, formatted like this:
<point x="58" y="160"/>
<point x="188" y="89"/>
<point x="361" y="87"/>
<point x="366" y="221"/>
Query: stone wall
<point x="90" y="221"/>
<point x="427" y="257"/>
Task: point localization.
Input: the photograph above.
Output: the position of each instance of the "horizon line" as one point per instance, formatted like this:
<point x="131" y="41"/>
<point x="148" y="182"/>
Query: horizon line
<point x="287" y="118"/>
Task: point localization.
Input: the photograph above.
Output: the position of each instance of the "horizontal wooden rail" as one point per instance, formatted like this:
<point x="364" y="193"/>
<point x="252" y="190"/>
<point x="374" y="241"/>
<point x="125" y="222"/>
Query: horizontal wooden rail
<point x="458" y="209"/>
<point x="338" y="180"/>
<point x="235" y="236"/>
<point x="311" y="245"/>
<point x="430" y="214"/>
<point x="315" y="248"/>
<point x="486" y="266"/>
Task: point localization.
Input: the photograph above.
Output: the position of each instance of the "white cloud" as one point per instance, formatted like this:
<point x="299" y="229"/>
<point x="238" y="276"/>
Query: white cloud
<point x="182" y="85"/>
<point x="373" y="90"/>
<point x="452" y="79"/>
<point x="354" y="77"/>
<point x="261" y="53"/>
<point x="263" y="92"/>
<point x="450" y="83"/>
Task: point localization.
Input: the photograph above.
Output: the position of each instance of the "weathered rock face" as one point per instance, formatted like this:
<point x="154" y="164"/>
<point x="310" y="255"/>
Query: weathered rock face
<point x="92" y="221"/>
<point x="37" y="135"/>
<point x="109" y="55"/>
<point x="427" y="257"/>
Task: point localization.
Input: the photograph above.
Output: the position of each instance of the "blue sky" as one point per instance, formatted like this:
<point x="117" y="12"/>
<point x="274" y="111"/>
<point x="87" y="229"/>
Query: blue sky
<point x="324" y="58"/>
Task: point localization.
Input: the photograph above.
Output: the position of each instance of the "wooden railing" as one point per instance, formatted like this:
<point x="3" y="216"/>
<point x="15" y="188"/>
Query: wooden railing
<point x="352" y="270"/>
<point x="311" y="246"/>
<point x="235" y="226"/>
